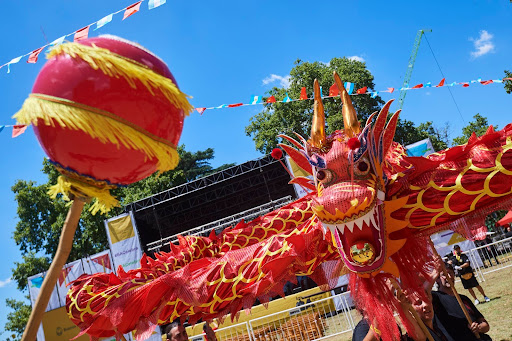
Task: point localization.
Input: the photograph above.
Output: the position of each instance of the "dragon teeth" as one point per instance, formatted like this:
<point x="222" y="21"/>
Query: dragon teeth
<point x="350" y="225"/>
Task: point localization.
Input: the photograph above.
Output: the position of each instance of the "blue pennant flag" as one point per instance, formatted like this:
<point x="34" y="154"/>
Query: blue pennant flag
<point x="428" y="85"/>
<point x="1" y="128"/>
<point x="255" y="99"/>
<point x="221" y="106"/>
<point x="155" y="3"/>
<point x="58" y="41"/>
<point x="103" y="21"/>
<point x="374" y="94"/>
<point x="288" y="99"/>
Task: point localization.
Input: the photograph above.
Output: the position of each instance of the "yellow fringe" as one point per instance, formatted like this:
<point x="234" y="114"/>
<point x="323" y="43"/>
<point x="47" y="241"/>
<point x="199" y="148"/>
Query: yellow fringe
<point x="114" y="65"/>
<point x="105" y="126"/>
<point x="104" y="201"/>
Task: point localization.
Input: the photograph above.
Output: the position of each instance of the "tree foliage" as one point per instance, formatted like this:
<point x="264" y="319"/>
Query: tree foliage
<point x="277" y="118"/>
<point x="41" y="219"/>
<point x="508" y="83"/>
<point x="407" y="133"/>
<point x="479" y="126"/>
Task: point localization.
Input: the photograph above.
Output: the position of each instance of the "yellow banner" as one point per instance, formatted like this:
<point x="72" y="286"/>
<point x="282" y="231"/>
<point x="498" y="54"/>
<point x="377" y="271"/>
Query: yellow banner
<point x="121" y="229"/>
<point x="58" y="327"/>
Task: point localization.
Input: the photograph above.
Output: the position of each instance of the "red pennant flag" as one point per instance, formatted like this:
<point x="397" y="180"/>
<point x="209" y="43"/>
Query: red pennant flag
<point x="303" y="93"/>
<point x="17" y="130"/>
<point x="271" y="99"/>
<point x="103" y="260"/>
<point x="390" y="90"/>
<point x="333" y="90"/>
<point x="33" y="56"/>
<point x="465" y="84"/>
<point x="362" y="90"/>
<point x="487" y="82"/>
<point x="235" y="105"/>
<point x="441" y="83"/>
<point x="132" y="9"/>
<point x="418" y="86"/>
<point x="200" y="110"/>
<point x="81" y="34"/>
<point x="63" y="274"/>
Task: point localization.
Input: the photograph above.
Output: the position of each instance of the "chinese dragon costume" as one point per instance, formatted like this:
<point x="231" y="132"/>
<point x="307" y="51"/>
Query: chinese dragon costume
<point x="369" y="210"/>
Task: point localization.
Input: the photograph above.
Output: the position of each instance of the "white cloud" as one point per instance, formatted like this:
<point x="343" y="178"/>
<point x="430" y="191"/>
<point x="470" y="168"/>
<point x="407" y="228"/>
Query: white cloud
<point x="357" y="58"/>
<point x="483" y="45"/>
<point x="427" y="93"/>
<point x="4" y="283"/>
<point x="283" y="81"/>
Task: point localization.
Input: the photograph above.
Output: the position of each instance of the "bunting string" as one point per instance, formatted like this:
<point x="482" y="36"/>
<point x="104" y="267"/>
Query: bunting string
<point x="83" y="33"/>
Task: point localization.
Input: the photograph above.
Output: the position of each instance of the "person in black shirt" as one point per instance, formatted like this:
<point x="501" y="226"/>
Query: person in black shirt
<point x="460" y="262"/>
<point x="450" y="315"/>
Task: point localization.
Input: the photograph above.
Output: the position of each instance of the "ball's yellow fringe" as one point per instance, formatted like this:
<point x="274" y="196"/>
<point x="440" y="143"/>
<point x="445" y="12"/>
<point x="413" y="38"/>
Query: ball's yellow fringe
<point x="102" y="125"/>
<point x="114" y="65"/>
<point x="103" y="202"/>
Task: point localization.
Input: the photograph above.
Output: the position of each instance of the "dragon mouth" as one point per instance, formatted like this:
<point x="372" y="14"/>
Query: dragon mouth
<point x="361" y="240"/>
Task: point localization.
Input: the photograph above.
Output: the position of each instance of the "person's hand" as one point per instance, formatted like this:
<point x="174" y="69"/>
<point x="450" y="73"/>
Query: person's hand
<point x="474" y="327"/>
<point x="457" y="267"/>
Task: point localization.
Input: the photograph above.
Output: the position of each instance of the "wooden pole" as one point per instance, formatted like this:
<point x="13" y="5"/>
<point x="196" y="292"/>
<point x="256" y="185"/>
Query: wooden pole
<point x="413" y="312"/>
<point x="452" y="285"/>
<point x="61" y="256"/>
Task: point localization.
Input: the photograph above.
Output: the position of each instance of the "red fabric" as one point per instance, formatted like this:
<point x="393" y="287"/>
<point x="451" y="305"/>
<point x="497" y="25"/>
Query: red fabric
<point x="235" y="105"/>
<point x="354" y="143"/>
<point x="507" y="219"/>
<point x="132" y="9"/>
<point x="17" y="130"/>
<point x="33" y="56"/>
<point x="333" y="90"/>
<point x="418" y="86"/>
<point x="81" y="34"/>
<point x="465" y="84"/>
<point x="487" y="82"/>
<point x="441" y="83"/>
<point x="271" y="99"/>
<point x="362" y="90"/>
<point x="303" y="93"/>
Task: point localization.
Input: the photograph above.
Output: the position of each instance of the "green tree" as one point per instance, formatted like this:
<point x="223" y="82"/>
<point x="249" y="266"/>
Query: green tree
<point x="277" y="118"/>
<point x="41" y="219"/>
<point x="508" y="83"/>
<point x="407" y="133"/>
<point x="479" y="126"/>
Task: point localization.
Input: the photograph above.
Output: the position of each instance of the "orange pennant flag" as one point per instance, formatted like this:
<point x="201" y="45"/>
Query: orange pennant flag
<point x="303" y="93"/>
<point x="362" y="90"/>
<point x="17" y="130"/>
<point x="33" y="56"/>
<point x="333" y="90"/>
<point x="390" y="90"/>
<point x="81" y="34"/>
<point x="419" y="86"/>
<point x="271" y="99"/>
<point x="441" y="83"/>
<point x="132" y="9"/>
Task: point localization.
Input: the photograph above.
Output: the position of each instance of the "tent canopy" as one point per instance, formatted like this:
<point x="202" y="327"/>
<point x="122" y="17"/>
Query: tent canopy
<point x="506" y="219"/>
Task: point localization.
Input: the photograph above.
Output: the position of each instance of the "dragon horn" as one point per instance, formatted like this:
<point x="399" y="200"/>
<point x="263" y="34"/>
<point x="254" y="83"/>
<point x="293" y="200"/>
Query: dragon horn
<point x="350" y="120"/>
<point x="318" y="125"/>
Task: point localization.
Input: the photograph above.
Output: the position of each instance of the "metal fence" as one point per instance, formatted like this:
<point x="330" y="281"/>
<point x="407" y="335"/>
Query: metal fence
<point x="325" y="318"/>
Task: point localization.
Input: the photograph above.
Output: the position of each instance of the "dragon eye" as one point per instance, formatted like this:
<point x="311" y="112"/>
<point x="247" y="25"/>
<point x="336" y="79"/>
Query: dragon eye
<point x="362" y="167"/>
<point x="325" y="176"/>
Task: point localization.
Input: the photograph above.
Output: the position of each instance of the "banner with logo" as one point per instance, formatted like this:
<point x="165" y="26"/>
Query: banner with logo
<point x="420" y="148"/>
<point x="100" y="262"/>
<point x="124" y="241"/>
<point x="34" y="286"/>
<point x="69" y="273"/>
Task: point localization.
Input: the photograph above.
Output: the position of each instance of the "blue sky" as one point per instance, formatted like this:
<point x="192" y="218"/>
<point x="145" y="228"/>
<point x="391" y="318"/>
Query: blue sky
<point x="225" y="51"/>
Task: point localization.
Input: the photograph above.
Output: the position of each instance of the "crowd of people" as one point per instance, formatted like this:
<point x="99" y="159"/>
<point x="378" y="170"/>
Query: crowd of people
<point x="441" y="313"/>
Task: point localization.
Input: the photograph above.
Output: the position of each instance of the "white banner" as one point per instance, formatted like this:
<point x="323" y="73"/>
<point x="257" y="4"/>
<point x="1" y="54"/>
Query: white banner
<point x="124" y="241"/>
<point x="34" y="286"/>
<point x="69" y="273"/>
<point x="420" y="148"/>
<point x="100" y="262"/>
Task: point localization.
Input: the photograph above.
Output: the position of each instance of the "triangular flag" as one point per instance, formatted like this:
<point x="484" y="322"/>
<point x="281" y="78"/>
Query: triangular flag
<point x="63" y="274"/>
<point x="487" y="82"/>
<point x="374" y="94"/>
<point x="441" y="83"/>
<point x="390" y="90"/>
<point x="428" y="85"/>
<point x="235" y="105"/>
<point x="132" y="9"/>
<point x="81" y="34"/>
<point x="33" y="56"/>
<point x="287" y="99"/>
<point x="333" y="90"/>
<point x="103" y="21"/>
<point x="362" y="90"/>
<point x="200" y="110"/>
<point x="303" y="93"/>
<point x="418" y="86"/>
<point x="58" y="41"/>
<point x="13" y="61"/>
<point x="103" y="260"/>
<point x="349" y="87"/>
<point x="271" y="99"/>
<point x="255" y="99"/>
<point x="452" y="84"/>
<point x="1" y="128"/>
<point x="499" y="80"/>
<point x="155" y="3"/>
<point x="221" y="106"/>
<point x="465" y="84"/>
<point x="17" y="130"/>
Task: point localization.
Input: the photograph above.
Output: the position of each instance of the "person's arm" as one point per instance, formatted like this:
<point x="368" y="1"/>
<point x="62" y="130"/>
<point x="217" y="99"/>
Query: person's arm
<point x="480" y="326"/>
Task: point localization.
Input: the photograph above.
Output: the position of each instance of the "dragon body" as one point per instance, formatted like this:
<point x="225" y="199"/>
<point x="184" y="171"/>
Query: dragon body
<point x="368" y="212"/>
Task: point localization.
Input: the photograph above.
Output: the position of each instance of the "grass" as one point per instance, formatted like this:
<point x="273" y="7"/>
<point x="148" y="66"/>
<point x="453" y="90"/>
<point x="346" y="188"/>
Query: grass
<point x="498" y="312"/>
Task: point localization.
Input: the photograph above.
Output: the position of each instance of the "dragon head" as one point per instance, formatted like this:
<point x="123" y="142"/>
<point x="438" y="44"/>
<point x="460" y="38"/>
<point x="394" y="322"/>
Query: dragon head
<point x="348" y="171"/>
